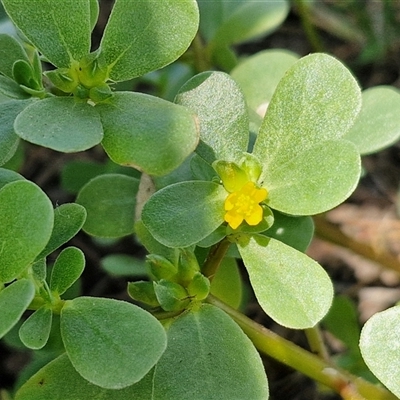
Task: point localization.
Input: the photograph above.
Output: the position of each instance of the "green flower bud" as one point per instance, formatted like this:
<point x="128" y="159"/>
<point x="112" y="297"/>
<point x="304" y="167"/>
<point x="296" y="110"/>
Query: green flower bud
<point x="160" y="267"/>
<point x="100" y="93"/>
<point x="199" y="287"/>
<point x="81" y="92"/>
<point x="64" y="79"/>
<point x="171" y="295"/>
<point x="187" y="266"/>
<point x="143" y="291"/>
<point x="91" y="71"/>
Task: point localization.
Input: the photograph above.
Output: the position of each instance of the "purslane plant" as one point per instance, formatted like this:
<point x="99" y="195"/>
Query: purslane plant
<point x="221" y="181"/>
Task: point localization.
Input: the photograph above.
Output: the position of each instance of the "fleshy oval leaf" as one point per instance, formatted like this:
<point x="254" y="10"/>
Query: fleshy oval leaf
<point x="68" y="220"/>
<point x="318" y="99"/>
<point x="9" y="110"/>
<point x="64" y="33"/>
<point x="8" y="176"/>
<point x="315" y="179"/>
<point x="60" y="123"/>
<point x="296" y="232"/>
<point x="278" y="271"/>
<point x="11" y="50"/>
<point x="147" y="133"/>
<point x="22" y="233"/>
<point x="110" y="201"/>
<point x="34" y="332"/>
<point x="379" y="344"/>
<point x="142" y="36"/>
<point x="122" y="340"/>
<point x="377" y="126"/>
<point x="50" y="383"/>
<point x="184" y="213"/>
<point x="227" y="283"/>
<point x="220" y="105"/>
<point x="314" y="105"/>
<point x="67" y="268"/>
<point x="206" y="345"/>
<point x="259" y="75"/>
<point x="231" y="22"/>
<point x="14" y="300"/>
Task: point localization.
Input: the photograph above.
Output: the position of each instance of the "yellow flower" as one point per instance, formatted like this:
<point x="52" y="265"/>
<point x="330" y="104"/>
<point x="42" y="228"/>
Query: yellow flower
<point x="244" y="205"/>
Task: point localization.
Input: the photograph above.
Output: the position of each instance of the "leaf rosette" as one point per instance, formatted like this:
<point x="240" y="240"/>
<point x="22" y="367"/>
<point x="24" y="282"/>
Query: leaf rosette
<point x="300" y="165"/>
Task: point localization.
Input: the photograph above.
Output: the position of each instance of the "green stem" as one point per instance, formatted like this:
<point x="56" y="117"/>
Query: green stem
<point x="309" y="29"/>
<point x="215" y="257"/>
<point x="316" y="342"/>
<point x="201" y="56"/>
<point x="331" y="233"/>
<point x="286" y="352"/>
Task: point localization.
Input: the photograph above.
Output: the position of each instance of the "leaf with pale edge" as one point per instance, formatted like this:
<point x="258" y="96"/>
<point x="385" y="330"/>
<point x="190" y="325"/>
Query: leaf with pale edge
<point x="142" y="36"/>
<point x="380" y="346"/>
<point x="292" y="289"/>
<point x="184" y="213"/>
<point x="14" y="300"/>
<point x="122" y="340"/>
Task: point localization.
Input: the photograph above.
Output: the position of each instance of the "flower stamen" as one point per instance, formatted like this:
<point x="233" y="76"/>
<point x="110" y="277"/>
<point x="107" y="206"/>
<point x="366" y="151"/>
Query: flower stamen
<point x="243" y="205"/>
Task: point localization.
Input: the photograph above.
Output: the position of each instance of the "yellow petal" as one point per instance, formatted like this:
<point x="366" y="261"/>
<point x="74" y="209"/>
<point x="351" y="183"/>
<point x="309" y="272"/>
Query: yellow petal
<point x="255" y="217"/>
<point x="233" y="219"/>
<point x="260" y="195"/>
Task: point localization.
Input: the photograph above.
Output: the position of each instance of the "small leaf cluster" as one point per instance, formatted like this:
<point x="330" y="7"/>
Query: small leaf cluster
<point x="79" y="88"/>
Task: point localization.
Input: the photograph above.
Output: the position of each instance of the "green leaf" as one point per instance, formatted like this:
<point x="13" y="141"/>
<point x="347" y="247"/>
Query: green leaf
<point x="110" y="201"/>
<point x="227" y="283"/>
<point x="14" y="300"/>
<point x="379" y="345"/>
<point x="307" y="168"/>
<point x="60" y="31"/>
<point x="209" y="357"/>
<point x="296" y="232"/>
<point x="315" y="179"/>
<point x="22" y="234"/>
<point x="202" y="170"/>
<point x="34" y="332"/>
<point x="52" y="380"/>
<point x="120" y="339"/>
<point x="77" y="173"/>
<point x="8" y="139"/>
<point x="94" y="12"/>
<point x="143" y="292"/>
<point x="147" y="133"/>
<point x="259" y="75"/>
<point x="219" y="103"/>
<point x="61" y="124"/>
<point x="342" y="321"/>
<point x="152" y="245"/>
<point x="11" y="89"/>
<point x="67" y="268"/>
<point x="232" y="22"/>
<point x="146" y="35"/>
<point x="278" y="271"/>
<point x="377" y="126"/>
<point x="68" y="220"/>
<point x="184" y="213"/>
<point x="317" y="100"/>
<point x="23" y="74"/>
<point x="171" y="295"/>
<point x="39" y="269"/>
<point x="11" y="50"/>
<point x="123" y="265"/>
<point x="7" y="176"/>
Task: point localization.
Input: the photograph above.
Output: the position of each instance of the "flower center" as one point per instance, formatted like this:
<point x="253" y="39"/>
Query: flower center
<point x="243" y="205"/>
